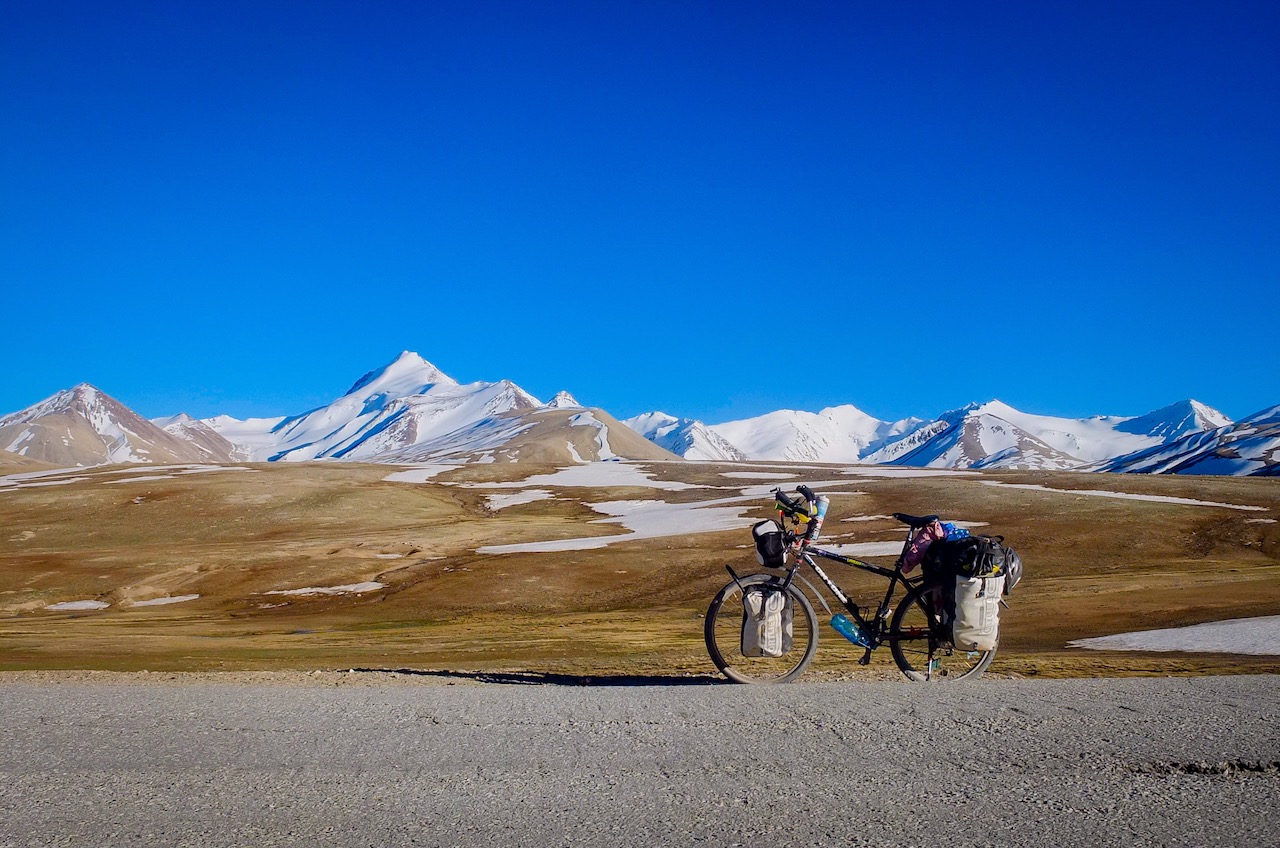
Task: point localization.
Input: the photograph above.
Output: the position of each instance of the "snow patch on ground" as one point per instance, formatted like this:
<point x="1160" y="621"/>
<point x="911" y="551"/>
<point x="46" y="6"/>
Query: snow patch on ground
<point x="869" y="518"/>
<point x="159" y="602"/>
<point x="1096" y="493"/>
<point x="755" y="475"/>
<point x="497" y="502"/>
<point x="593" y="475"/>
<point x="349" y="589"/>
<point x="35" y="484"/>
<point x="820" y="487"/>
<point x="420" y="473"/>
<point x="179" y="469"/>
<point x="646" y="519"/>
<point x="78" y="605"/>
<point x="866" y="549"/>
<point x="882" y="471"/>
<point x="1259" y="636"/>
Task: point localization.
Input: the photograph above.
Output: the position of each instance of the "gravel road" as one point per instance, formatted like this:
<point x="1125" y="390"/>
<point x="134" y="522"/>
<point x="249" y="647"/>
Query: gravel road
<point x="1133" y="762"/>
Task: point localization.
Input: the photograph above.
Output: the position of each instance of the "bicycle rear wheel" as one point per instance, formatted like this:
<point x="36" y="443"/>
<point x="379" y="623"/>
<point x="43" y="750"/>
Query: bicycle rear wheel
<point x="920" y="646"/>
<point x="723" y="633"/>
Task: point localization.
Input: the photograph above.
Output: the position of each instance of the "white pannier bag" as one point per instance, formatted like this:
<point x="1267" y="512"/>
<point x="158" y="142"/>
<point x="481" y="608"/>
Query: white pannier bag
<point x="766" y="623"/>
<point x="976" y="626"/>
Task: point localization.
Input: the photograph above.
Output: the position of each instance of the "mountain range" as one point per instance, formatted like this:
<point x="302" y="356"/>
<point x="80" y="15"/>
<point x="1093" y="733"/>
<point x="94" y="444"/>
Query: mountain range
<point x="410" y="411"/>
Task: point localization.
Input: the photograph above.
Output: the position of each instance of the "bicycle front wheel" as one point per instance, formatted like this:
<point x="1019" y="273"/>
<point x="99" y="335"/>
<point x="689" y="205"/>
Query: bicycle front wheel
<point x="921" y="646"/>
<point x="723" y="633"/>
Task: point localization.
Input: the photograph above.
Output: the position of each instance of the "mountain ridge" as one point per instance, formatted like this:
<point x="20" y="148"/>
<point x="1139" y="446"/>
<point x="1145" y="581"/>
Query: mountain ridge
<point x="408" y="410"/>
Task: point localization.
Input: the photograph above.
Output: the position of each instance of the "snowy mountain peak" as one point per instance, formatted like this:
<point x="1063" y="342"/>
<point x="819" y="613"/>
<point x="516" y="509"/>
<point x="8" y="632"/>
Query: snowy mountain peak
<point x="408" y="374"/>
<point x="685" y="437"/>
<point x="84" y="426"/>
<point x="563" y="400"/>
<point x="1175" y="421"/>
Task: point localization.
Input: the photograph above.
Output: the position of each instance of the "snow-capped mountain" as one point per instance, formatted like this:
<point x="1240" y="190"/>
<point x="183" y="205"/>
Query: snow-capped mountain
<point x="563" y="400"/>
<point x="836" y="434"/>
<point x="409" y="411"/>
<point x="1249" y="447"/>
<point x="208" y="442"/>
<point x="405" y="403"/>
<point x="981" y="440"/>
<point x="84" y="426"/>
<point x="986" y="435"/>
<point x="684" y="437"/>
<point x="1175" y="421"/>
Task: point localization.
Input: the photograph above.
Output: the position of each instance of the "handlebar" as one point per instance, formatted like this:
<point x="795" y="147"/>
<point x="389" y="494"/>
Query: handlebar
<point x="789" y="505"/>
<point x="812" y="512"/>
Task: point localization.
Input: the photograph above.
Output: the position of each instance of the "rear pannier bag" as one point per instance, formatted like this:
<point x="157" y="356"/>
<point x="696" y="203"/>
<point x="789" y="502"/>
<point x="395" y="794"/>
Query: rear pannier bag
<point x="766" y="622"/>
<point x="976" y="625"/>
<point x="770" y="549"/>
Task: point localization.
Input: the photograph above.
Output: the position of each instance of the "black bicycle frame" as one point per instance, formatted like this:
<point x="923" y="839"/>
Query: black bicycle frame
<point x="894" y="574"/>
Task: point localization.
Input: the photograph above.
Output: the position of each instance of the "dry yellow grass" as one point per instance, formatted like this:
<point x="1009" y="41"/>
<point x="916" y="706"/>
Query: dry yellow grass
<point x="1095" y="566"/>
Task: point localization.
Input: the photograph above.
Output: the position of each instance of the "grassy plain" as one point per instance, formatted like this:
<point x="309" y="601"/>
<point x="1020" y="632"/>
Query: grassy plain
<point x="123" y="535"/>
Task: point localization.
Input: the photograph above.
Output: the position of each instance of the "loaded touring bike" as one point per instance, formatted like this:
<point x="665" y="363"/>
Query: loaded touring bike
<point x="762" y="628"/>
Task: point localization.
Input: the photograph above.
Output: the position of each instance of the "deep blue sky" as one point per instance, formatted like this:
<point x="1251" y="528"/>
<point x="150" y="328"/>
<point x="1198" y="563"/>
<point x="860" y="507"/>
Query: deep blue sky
<point x="714" y="209"/>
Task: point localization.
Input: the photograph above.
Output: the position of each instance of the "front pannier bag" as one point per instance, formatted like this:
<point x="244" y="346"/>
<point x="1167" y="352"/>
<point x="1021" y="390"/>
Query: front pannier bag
<point x="766" y="622"/>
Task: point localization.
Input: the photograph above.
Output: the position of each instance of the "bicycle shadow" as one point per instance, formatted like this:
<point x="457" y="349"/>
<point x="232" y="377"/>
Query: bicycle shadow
<point x="547" y="678"/>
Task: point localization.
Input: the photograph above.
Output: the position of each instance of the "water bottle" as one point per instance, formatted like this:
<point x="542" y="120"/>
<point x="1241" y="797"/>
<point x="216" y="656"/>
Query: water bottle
<point x="849" y="629"/>
<point x="819" y="515"/>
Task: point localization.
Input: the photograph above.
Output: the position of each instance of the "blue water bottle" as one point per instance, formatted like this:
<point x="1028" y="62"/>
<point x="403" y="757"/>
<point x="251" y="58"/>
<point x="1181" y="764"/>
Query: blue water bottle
<point x="849" y="629"/>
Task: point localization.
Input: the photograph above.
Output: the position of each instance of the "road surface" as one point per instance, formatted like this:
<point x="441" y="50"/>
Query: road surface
<point x="1134" y="762"/>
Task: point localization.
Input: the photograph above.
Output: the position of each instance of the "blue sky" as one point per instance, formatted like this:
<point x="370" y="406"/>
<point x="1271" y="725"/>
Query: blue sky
<point x="714" y="209"/>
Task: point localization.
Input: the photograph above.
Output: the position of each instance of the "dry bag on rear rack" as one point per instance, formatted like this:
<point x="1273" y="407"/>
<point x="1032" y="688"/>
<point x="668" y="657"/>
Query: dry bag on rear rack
<point x="766" y="622"/>
<point x="770" y="549"/>
<point x="976" y="626"/>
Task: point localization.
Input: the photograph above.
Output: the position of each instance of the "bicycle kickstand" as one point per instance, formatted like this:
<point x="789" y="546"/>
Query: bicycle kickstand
<point x="866" y="658"/>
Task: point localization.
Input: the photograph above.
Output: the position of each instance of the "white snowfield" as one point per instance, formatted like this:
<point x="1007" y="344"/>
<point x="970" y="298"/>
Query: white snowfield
<point x="497" y="502"/>
<point x="1098" y="493"/>
<point x="66" y="606"/>
<point x="593" y="475"/>
<point x="139" y="474"/>
<point x="161" y="602"/>
<point x="420" y="473"/>
<point x="646" y="519"/>
<point x="349" y="589"/>
<point x="1260" y="636"/>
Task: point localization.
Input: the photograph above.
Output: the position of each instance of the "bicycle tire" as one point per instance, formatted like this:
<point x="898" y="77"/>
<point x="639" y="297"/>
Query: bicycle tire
<point x="722" y="632"/>
<point x="919" y="650"/>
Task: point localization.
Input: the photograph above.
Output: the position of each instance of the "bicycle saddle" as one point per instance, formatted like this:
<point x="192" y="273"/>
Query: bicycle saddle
<point x="915" y="520"/>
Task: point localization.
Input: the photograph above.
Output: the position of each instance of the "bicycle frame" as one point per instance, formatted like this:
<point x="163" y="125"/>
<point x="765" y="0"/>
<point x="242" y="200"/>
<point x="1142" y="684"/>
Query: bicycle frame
<point x="806" y="554"/>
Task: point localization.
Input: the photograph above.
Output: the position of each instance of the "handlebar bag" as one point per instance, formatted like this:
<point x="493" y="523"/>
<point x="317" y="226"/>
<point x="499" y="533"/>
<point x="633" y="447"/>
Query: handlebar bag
<point x="766" y="622"/>
<point x="770" y="550"/>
